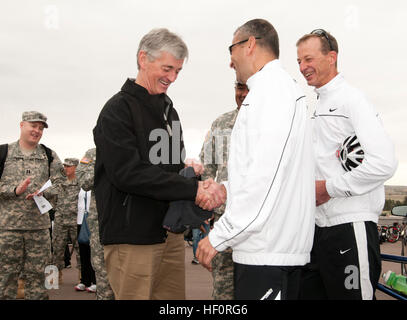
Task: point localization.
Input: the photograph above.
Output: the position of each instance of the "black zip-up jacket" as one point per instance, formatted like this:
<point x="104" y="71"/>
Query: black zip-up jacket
<point x="133" y="190"/>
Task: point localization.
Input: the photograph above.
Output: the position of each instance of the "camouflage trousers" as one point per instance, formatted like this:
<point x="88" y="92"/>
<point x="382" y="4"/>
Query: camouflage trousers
<point x="103" y="289"/>
<point x="60" y="237"/>
<point x="25" y="252"/>
<point x="222" y="273"/>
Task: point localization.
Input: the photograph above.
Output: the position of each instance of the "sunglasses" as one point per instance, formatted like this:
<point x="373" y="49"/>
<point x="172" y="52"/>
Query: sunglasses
<point x="240" y="42"/>
<point x="323" y="33"/>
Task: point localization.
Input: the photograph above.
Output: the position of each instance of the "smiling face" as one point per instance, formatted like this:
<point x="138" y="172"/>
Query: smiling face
<point x="31" y="132"/>
<point x="158" y="74"/>
<point x="238" y="59"/>
<point x="317" y="68"/>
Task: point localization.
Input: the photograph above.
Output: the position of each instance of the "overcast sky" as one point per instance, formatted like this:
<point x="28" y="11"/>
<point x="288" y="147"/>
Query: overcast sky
<point x="67" y="58"/>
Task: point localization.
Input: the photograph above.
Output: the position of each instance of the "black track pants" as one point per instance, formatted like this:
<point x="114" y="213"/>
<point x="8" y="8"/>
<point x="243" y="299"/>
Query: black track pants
<point x="266" y="282"/>
<point x="345" y="263"/>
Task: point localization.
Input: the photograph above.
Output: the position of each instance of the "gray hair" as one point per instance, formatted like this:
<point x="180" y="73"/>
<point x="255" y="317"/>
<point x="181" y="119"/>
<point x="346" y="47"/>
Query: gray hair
<point x="159" y="40"/>
<point x="260" y="28"/>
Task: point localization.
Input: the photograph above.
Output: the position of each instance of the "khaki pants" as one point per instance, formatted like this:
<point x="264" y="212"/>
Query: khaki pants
<point x="147" y="272"/>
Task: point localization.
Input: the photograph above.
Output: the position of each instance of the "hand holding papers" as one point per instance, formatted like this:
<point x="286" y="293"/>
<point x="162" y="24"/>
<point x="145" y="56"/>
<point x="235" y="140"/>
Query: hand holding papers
<point x="42" y="203"/>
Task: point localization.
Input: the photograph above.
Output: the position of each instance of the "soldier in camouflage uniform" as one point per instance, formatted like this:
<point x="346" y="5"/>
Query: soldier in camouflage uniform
<point x="85" y="175"/>
<point x="214" y="156"/>
<point x="25" y="243"/>
<point x="66" y="212"/>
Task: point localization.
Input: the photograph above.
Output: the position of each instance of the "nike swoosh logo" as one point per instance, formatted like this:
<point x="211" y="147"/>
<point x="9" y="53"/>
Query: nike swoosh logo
<point x="332" y="110"/>
<point x="343" y="252"/>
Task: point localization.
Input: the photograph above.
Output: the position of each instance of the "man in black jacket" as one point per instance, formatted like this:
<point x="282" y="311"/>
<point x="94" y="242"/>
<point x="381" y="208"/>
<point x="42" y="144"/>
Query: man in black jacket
<point x="138" y="156"/>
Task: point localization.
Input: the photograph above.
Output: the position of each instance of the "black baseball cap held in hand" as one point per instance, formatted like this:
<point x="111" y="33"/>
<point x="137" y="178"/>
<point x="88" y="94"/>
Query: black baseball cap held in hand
<point x="185" y="213"/>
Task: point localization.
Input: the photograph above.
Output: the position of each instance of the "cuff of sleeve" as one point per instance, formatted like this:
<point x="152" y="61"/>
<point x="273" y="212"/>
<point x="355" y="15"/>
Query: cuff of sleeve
<point x="329" y="188"/>
<point x="335" y="192"/>
<point x="194" y="189"/>
<point x="8" y="192"/>
<point x="213" y="239"/>
<point x="226" y="185"/>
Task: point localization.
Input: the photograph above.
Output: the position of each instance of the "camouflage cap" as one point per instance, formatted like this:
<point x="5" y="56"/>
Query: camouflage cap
<point x="69" y="162"/>
<point x="34" y="116"/>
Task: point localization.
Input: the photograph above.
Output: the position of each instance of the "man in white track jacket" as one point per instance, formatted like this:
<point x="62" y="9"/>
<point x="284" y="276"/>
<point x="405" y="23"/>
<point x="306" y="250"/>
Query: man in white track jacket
<point x="269" y="216"/>
<point x="345" y="260"/>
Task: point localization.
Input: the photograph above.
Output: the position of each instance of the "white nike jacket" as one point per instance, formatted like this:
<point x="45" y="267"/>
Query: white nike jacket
<point x="357" y="195"/>
<point x="269" y="215"/>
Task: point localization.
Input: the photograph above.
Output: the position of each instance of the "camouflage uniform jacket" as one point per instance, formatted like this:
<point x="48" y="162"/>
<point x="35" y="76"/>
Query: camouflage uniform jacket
<point x="17" y="213"/>
<point x="85" y="175"/>
<point x="215" y="151"/>
<point x="66" y="211"/>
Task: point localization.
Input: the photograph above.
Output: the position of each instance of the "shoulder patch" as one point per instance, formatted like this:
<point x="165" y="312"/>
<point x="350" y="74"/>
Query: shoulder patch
<point x="85" y="160"/>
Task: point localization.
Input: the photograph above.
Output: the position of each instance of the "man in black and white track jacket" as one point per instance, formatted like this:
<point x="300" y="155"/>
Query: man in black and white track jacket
<point x="269" y="216"/>
<point x="345" y="260"/>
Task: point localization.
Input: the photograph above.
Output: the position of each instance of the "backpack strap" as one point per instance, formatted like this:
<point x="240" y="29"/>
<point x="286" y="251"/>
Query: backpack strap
<point x="48" y="152"/>
<point x="3" y="156"/>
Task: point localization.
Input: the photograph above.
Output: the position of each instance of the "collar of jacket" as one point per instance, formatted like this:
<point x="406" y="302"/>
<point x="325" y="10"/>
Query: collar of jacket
<point x="73" y="182"/>
<point x="15" y="151"/>
<point x="333" y="84"/>
<point x="269" y="65"/>
<point x="160" y="102"/>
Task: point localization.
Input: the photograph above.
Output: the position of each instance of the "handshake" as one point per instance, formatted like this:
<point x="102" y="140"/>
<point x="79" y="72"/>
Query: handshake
<point x="210" y="194"/>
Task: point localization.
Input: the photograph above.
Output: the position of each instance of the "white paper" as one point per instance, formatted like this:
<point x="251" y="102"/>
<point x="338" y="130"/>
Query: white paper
<point x="45" y="186"/>
<point x="42" y="204"/>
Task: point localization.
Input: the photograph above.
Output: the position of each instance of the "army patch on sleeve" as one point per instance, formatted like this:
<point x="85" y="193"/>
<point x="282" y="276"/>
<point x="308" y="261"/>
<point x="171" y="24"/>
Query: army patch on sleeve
<point x="85" y="160"/>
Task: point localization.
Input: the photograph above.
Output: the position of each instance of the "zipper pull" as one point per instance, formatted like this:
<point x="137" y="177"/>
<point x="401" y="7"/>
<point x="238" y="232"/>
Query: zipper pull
<point x="168" y="125"/>
<point x="125" y="200"/>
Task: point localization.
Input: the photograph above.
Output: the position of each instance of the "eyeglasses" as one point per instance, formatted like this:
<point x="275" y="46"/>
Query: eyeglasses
<point x="240" y="42"/>
<point x="322" y="32"/>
